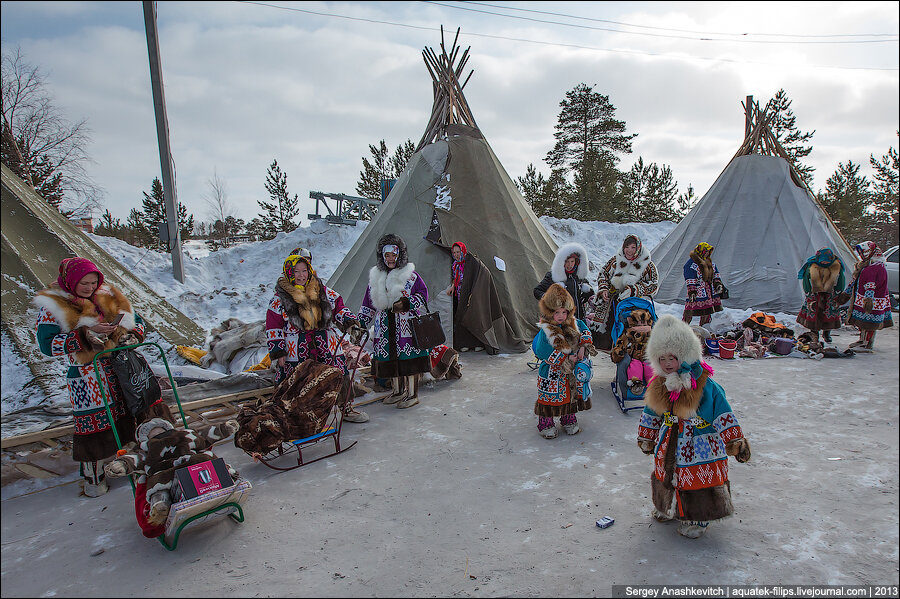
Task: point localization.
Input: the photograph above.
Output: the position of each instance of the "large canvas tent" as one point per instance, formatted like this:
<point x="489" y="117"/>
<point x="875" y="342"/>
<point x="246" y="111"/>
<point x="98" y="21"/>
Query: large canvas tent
<point x="762" y="221"/>
<point x="455" y="189"/>
<point x="35" y="239"/>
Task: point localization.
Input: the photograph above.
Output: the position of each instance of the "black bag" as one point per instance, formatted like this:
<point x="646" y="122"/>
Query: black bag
<point x="140" y="388"/>
<point x="427" y="331"/>
<point x="724" y="293"/>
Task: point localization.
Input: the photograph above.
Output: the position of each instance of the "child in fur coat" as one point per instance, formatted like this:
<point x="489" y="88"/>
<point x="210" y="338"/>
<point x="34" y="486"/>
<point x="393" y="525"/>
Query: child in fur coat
<point x="633" y="343"/>
<point x="160" y="451"/>
<point x="689" y="428"/>
<point x="561" y="342"/>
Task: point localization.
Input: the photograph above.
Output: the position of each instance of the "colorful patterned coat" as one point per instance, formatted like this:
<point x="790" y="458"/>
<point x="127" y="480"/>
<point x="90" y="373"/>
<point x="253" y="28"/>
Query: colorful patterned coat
<point x="556" y="396"/>
<point x="706" y="300"/>
<point x="59" y="334"/>
<point x="392" y="342"/>
<point x="691" y="450"/>
<point x="285" y="338"/>
<point x="871" y="307"/>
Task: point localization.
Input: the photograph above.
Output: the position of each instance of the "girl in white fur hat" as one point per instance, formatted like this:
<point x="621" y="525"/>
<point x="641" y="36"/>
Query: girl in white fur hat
<point x="689" y="428"/>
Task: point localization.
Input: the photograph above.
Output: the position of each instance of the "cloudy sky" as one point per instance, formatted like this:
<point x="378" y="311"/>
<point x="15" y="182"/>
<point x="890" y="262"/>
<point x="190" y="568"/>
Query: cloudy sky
<point x="312" y="84"/>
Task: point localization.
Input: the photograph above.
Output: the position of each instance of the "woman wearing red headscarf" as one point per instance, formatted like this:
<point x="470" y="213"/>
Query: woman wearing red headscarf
<point x="473" y="321"/>
<point x="77" y="321"/>
<point x="870" y="310"/>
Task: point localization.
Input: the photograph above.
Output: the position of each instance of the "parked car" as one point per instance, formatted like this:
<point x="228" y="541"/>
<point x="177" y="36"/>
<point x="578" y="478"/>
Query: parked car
<point x="891" y="258"/>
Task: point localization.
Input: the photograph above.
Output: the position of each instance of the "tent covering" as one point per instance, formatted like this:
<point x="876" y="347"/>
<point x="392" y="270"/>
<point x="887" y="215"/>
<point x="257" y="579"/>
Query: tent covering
<point x="763" y="227"/>
<point x="36" y="238"/>
<point x="455" y="189"/>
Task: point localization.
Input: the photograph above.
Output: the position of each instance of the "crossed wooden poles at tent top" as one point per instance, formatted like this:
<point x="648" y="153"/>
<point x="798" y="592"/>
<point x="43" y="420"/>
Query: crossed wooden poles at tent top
<point x="450" y="104"/>
<point x="760" y="139"/>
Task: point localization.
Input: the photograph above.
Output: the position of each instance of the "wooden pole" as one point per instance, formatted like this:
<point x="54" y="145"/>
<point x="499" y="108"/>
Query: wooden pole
<point x="162" y="134"/>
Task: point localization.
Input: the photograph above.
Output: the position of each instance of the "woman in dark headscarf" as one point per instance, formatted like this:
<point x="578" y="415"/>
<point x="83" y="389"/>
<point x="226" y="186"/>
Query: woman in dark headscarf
<point x="822" y="278"/>
<point x="396" y="293"/>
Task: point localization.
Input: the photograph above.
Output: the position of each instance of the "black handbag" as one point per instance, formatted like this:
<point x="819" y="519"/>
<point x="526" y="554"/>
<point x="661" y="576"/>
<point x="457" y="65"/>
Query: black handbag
<point x="427" y="331"/>
<point x="140" y="389"/>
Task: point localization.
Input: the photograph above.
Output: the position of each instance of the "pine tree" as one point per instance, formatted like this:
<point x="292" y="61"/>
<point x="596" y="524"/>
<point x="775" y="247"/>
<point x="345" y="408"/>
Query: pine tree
<point x="846" y="197"/>
<point x="587" y="121"/>
<point x="683" y="204"/>
<point x="384" y="166"/>
<point x="651" y="193"/>
<point x="784" y="127"/>
<point x="599" y="193"/>
<point x="154" y="214"/>
<point x="885" y="199"/>
<point x="278" y="214"/>
<point x="137" y="233"/>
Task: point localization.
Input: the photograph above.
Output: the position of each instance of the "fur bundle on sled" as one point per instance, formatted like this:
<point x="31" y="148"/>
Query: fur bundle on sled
<point x="299" y="408"/>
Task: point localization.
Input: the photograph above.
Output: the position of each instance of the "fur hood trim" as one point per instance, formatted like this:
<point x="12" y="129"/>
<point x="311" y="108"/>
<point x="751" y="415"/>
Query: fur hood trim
<point x="558" y="268"/>
<point x="402" y="258"/>
<point x="72" y="313"/>
<point x="563" y="337"/>
<point x="386" y="287"/>
<point x="672" y="336"/>
<point x="628" y="272"/>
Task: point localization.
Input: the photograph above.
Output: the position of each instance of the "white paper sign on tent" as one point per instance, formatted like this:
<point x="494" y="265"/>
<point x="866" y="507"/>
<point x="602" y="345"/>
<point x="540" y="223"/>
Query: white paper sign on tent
<point x="499" y="263"/>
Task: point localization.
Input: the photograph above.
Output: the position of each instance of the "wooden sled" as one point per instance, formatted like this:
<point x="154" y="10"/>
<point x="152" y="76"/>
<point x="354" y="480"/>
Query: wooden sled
<point x="331" y="432"/>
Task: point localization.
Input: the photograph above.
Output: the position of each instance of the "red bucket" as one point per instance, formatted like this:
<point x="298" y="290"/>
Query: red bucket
<point x="726" y="348"/>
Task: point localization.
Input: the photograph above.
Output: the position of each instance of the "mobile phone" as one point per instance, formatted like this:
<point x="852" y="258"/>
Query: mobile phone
<point x="605" y="522"/>
<point x="118" y="318"/>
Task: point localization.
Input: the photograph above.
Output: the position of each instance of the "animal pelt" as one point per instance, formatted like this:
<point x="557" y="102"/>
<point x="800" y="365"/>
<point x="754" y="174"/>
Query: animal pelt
<point x="563" y="337"/>
<point x="705" y="264"/>
<point x="627" y="273"/>
<point x="630" y="343"/>
<point x="558" y="268"/>
<point x="823" y="278"/>
<point x="308" y="308"/>
<point x="657" y="397"/>
<point x="299" y="408"/>
<point x="79" y="314"/>
<point x="156" y="458"/>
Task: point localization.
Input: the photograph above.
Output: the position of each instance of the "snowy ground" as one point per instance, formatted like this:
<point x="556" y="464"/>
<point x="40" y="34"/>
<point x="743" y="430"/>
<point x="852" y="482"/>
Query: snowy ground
<point x="459" y="496"/>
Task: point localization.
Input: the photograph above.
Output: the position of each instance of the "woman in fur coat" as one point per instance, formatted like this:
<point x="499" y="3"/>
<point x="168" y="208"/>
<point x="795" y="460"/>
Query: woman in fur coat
<point x="630" y="273"/>
<point x="561" y="342"/>
<point x="870" y="310"/>
<point x="299" y="322"/>
<point x="75" y="323"/>
<point x="689" y="428"/>
<point x="822" y="278"/>
<point x="396" y="293"/>
<point x="704" y="287"/>
<point x="569" y="269"/>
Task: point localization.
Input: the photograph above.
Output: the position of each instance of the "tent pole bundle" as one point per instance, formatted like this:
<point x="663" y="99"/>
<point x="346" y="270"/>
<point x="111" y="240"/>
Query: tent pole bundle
<point x="450" y="106"/>
<point x="763" y="221"/>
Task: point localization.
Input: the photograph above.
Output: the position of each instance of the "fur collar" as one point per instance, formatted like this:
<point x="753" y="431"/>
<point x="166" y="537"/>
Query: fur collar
<point x="385" y="288"/>
<point x="71" y="312"/>
<point x="308" y="309"/>
<point x="824" y="278"/>
<point x="564" y="337"/>
<point x="558" y="268"/>
<point x="657" y="398"/>
<point x="628" y="272"/>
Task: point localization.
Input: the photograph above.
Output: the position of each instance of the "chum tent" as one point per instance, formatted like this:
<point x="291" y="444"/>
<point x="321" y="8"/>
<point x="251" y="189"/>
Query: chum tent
<point x="455" y="189"/>
<point x="35" y="239"/>
<point x="763" y="222"/>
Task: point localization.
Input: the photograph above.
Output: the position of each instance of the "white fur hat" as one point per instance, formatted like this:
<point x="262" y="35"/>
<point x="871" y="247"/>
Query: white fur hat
<point x="672" y="336"/>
